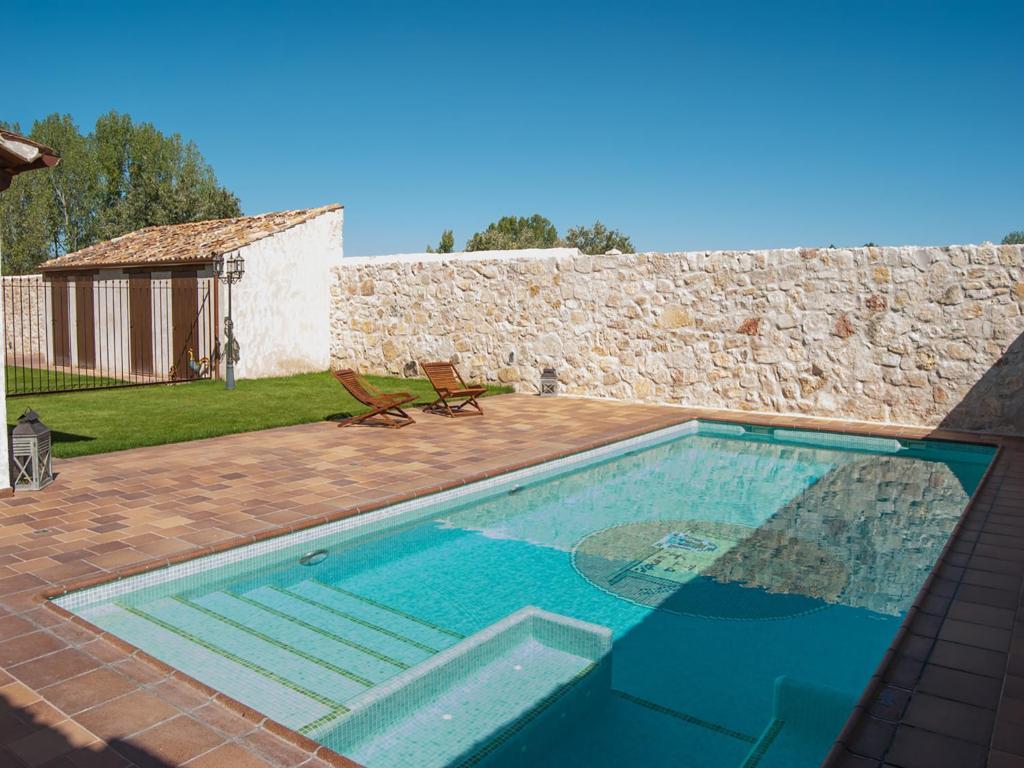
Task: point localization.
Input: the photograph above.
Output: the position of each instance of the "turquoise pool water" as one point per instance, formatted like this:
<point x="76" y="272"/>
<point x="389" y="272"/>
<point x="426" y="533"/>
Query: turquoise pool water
<point x="711" y="595"/>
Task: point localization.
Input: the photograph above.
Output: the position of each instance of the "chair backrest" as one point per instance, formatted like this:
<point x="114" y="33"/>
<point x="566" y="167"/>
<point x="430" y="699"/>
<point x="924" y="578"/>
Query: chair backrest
<point x="350" y="381"/>
<point x="443" y="375"/>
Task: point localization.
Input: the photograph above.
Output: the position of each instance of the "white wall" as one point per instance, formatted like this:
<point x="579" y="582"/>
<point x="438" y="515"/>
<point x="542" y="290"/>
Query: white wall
<point x="5" y="474"/>
<point x="282" y="304"/>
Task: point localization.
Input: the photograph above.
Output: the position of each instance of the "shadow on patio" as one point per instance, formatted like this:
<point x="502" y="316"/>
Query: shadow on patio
<point x="39" y="735"/>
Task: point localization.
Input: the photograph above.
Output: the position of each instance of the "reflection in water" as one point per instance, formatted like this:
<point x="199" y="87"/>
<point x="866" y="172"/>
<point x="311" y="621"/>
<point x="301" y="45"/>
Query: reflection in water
<point x="837" y="527"/>
<point x="884" y="519"/>
<point x="675" y="565"/>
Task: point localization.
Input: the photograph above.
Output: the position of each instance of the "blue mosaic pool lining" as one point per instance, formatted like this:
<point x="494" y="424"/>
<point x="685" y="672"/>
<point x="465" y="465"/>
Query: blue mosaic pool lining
<point x="250" y="555"/>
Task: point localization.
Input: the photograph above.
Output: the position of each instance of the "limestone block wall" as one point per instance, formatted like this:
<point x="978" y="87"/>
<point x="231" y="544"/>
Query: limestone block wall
<point x="919" y="335"/>
<point x="25" y="309"/>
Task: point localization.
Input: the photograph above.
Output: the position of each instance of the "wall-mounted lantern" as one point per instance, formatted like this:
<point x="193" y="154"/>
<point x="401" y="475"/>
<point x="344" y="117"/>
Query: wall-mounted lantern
<point x="548" y="382"/>
<point x="30" y="453"/>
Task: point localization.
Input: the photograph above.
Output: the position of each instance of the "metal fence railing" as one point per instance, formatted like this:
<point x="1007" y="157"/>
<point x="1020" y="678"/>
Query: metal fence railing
<point x="81" y="333"/>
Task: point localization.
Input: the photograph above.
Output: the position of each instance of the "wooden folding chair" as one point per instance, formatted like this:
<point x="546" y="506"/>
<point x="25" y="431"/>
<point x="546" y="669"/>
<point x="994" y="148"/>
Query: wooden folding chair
<point x="448" y="384"/>
<point x="386" y="406"/>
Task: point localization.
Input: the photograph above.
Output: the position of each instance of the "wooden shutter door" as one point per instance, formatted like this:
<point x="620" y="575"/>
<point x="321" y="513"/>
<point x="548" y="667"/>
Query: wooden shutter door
<point x="184" y="316"/>
<point x="85" y="322"/>
<point x="140" y="317"/>
<point x="61" y="310"/>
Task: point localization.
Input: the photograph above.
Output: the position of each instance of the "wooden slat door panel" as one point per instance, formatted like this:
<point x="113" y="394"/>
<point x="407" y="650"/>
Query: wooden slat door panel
<point x="85" y="322"/>
<point x="140" y="318"/>
<point x="184" y="319"/>
<point x="60" y="309"/>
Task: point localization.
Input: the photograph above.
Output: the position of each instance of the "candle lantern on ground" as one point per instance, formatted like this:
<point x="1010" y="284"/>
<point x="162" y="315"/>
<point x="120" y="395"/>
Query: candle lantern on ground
<point x="30" y="453"/>
<point x="548" y="382"/>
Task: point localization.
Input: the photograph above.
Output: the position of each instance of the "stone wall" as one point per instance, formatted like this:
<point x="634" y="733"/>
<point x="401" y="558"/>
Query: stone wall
<point x="915" y="335"/>
<point x="26" y="310"/>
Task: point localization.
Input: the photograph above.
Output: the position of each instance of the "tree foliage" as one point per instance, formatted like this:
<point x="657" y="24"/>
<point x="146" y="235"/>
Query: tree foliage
<point x="598" y="239"/>
<point x="514" y="233"/>
<point x="1014" y="238"/>
<point x="511" y="233"/>
<point x="445" y="245"/>
<point x="121" y="177"/>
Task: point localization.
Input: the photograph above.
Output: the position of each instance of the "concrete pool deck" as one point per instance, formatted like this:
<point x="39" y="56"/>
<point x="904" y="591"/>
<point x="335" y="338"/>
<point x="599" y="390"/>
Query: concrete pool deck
<point x="950" y="693"/>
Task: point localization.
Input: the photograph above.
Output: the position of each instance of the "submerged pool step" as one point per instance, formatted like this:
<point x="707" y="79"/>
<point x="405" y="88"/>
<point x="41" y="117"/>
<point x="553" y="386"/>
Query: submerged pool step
<point x="379" y="614"/>
<point x="296" y="654"/>
<point x="504" y="688"/>
<point x="242" y="679"/>
<point x="385" y="643"/>
<point x="327" y="680"/>
<point x="317" y="641"/>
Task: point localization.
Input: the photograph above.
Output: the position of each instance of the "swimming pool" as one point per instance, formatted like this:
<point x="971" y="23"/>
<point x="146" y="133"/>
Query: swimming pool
<point x="707" y="595"/>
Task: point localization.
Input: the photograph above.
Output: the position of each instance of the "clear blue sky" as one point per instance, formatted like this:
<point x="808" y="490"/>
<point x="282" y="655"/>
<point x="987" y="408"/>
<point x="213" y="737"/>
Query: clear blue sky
<point x="687" y="125"/>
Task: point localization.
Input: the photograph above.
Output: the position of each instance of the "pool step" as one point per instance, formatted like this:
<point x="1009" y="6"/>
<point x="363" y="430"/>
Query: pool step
<point x="480" y="697"/>
<point x="302" y="651"/>
<point x="806" y="718"/>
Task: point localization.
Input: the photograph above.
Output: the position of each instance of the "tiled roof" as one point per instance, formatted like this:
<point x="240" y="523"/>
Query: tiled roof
<point x="19" y="154"/>
<point x="197" y="241"/>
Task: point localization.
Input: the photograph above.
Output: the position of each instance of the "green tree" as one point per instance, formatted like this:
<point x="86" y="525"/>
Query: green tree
<point x="445" y="245"/>
<point x="511" y="233"/>
<point x="1014" y="238"/>
<point x="598" y="239"/>
<point x="121" y="177"/>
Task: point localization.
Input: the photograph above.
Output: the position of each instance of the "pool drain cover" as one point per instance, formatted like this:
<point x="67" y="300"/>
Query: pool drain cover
<point x="711" y="569"/>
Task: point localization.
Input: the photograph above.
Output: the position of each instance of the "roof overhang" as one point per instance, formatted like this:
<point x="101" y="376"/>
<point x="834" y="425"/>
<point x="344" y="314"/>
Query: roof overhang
<point x="147" y="266"/>
<point x="19" y="154"/>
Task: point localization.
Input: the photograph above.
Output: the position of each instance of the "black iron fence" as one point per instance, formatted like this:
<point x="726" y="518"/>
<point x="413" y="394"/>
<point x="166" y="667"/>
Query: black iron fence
<point x="66" y="334"/>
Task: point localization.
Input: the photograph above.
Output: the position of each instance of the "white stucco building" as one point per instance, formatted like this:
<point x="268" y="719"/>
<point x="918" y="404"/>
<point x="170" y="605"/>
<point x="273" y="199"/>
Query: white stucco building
<point x="146" y="304"/>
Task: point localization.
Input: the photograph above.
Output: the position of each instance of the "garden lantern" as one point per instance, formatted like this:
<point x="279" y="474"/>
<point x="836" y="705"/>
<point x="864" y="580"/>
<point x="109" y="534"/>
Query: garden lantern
<point x="30" y="453"/>
<point x="548" y="382"/>
<point x="229" y="271"/>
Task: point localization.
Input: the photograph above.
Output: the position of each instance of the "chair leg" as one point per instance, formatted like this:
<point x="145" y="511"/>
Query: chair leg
<point x="402" y="417"/>
<point x="439" y="406"/>
<point x="392" y="417"/>
<point x="361" y="418"/>
<point x="468" y="401"/>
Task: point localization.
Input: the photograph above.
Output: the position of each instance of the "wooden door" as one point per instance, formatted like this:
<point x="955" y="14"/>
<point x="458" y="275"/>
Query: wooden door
<point x="85" y="322"/>
<point x="184" y="321"/>
<point x="60" y="309"/>
<point x="140" y="318"/>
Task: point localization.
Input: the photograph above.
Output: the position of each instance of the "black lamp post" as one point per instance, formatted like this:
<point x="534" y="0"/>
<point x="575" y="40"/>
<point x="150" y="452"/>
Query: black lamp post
<point x="229" y="270"/>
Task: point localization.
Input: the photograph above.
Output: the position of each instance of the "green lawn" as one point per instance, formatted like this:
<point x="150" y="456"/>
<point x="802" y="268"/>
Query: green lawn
<point x="113" y="419"/>
<point x="23" y="379"/>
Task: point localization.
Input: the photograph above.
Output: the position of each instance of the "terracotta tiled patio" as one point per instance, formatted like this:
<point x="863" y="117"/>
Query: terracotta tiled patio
<point x="952" y="687"/>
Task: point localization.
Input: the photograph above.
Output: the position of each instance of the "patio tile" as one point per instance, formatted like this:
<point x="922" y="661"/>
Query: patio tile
<point x="88" y="690"/>
<point x="978" y="635"/>
<point x="953" y="718"/>
<point x="50" y="743"/>
<point x="967" y="658"/>
<point x="27" y="647"/>
<point x="176" y="741"/>
<point x="871" y="737"/>
<point x="228" y="756"/>
<point x="126" y="715"/>
<point x="919" y="748"/>
<point x="960" y="686"/>
<point x="62" y="665"/>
